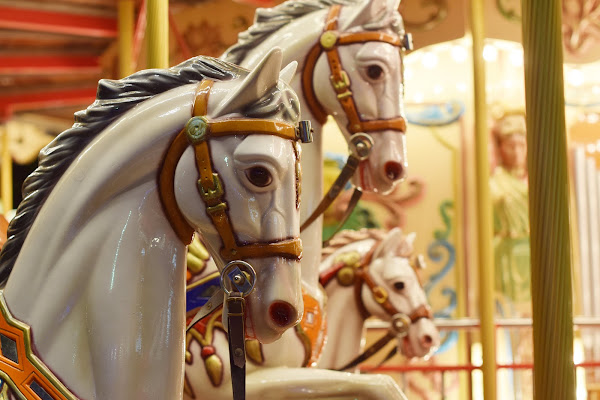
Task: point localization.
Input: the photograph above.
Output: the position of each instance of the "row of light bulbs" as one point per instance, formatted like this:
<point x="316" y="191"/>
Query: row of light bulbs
<point x="460" y="53"/>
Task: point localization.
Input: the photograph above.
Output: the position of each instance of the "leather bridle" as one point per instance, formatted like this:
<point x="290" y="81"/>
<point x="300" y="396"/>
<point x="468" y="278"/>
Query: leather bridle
<point x="328" y="43"/>
<point x="358" y="275"/>
<point x="197" y="133"/>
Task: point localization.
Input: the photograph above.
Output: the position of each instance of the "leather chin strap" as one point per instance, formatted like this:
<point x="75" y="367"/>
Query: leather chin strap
<point x="197" y="132"/>
<point x="328" y="43"/>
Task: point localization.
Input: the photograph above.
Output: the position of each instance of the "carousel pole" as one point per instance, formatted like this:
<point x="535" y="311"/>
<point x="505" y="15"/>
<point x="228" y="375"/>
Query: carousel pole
<point x="158" y="33"/>
<point x="6" y="172"/>
<point x="484" y="207"/>
<point x="554" y="376"/>
<point x="126" y="17"/>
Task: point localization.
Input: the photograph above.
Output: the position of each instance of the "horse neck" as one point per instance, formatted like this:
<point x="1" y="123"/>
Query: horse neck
<point x="101" y="251"/>
<point x="345" y="322"/>
<point x="300" y="35"/>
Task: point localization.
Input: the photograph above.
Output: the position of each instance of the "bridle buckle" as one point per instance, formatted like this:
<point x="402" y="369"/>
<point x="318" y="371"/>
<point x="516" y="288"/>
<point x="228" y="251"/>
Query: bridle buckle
<point x="341" y="83"/>
<point x="208" y="194"/>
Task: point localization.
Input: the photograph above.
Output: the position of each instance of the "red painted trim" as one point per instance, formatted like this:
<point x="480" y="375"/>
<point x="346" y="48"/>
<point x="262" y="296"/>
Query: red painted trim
<point x="467" y="367"/>
<point x="183" y="46"/>
<point x="9" y="103"/>
<point x="138" y="36"/>
<point x="57" y="22"/>
<point x="48" y="64"/>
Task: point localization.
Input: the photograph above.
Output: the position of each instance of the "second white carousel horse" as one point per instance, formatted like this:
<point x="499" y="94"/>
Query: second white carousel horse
<point x="95" y="260"/>
<point x="359" y="44"/>
<point x="365" y="273"/>
<point x="369" y="273"/>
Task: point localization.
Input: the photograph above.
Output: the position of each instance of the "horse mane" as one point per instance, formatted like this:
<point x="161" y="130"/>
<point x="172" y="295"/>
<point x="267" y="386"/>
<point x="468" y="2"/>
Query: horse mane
<point x="114" y="98"/>
<point x="269" y="20"/>
<point x="349" y="236"/>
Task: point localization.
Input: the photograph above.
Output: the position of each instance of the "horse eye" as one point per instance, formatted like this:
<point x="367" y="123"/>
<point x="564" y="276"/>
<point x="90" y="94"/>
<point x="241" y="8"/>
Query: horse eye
<point x="259" y="176"/>
<point x="399" y="285"/>
<point x="374" y="72"/>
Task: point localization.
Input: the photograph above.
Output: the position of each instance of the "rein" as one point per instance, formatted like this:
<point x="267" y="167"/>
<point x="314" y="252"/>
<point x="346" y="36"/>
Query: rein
<point x="360" y="142"/>
<point x="353" y="271"/>
<point x="237" y="277"/>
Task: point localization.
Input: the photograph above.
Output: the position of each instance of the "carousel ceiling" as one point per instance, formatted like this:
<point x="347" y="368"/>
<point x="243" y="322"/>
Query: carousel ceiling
<point x="53" y="53"/>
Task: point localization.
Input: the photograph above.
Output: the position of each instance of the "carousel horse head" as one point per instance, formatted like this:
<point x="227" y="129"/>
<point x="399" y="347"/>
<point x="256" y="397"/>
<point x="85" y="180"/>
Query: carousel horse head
<point x="352" y="57"/>
<point x="205" y="146"/>
<point x="396" y="295"/>
<point x="359" y="61"/>
<point x="258" y="176"/>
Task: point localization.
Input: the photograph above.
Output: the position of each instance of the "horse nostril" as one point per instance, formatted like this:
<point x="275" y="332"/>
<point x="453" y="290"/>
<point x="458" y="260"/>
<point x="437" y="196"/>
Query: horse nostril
<point x="282" y="313"/>
<point x="393" y="170"/>
<point x="426" y="341"/>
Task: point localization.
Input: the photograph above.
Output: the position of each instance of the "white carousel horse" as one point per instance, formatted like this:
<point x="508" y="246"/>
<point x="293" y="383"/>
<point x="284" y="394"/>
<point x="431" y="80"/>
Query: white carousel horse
<point x="95" y="261"/>
<point x="359" y="44"/>
<point x="369" y="273"/>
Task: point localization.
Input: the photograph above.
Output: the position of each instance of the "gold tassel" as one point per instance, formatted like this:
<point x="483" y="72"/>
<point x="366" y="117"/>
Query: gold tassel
<point x="214" y="368"/>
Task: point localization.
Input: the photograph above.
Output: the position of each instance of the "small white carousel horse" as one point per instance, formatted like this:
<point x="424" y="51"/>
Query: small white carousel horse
<point x="369" y="273"/>
<point x="95" y="261"/>
<point x="365" y="273"/>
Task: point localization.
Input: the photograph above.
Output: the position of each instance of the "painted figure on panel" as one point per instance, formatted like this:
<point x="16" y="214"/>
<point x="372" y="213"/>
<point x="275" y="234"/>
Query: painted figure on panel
<point x="509" y="191"/>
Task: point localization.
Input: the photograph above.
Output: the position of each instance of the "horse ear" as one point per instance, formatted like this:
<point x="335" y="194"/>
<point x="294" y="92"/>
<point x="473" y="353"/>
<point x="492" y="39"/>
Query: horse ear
<point x="258" y="82"/>
<point x="389" y="245"/>
<point x="406" y="248"/>
<point x="287" y="74"/>
<point x="368" y="11"/>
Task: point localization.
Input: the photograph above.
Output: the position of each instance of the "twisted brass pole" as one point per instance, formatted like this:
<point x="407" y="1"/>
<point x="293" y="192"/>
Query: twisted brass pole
<point x="554" y="376"/>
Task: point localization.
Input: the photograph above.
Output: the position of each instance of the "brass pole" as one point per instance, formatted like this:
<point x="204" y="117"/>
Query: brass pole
<point x="484" y="206"/>
<point x="126" y="17"/>
<point x="6" y="172"/>
<point x="157" y="29"/>
<point x="552" y="301"/>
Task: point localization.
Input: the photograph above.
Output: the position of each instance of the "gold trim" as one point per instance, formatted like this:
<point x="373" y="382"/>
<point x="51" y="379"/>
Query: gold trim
<point x="33" y="359"/>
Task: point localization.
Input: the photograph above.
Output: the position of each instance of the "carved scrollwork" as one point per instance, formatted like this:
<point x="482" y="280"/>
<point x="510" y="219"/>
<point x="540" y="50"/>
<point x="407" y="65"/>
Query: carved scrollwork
<point x="510" y="9"/>
<point x="581" y="25"/>
<point x="438" y="12"/>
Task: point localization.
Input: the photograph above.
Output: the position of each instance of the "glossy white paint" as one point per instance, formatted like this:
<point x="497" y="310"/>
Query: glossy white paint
<point x="101" y="276"/>
<point x="344" y="321"/>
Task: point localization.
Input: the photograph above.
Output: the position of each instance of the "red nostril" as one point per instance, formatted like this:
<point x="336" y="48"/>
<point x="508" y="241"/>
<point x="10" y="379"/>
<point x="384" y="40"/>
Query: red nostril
<point x="393" y="170"/>
<point x="426" y="341"/>
<point x="282" y="313"/>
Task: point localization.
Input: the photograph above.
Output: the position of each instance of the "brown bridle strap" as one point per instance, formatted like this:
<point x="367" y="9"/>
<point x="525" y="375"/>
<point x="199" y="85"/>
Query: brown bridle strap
<point x="166" y="189"/>
<point x="328" y="43"/>
<point x="197" y="132"/>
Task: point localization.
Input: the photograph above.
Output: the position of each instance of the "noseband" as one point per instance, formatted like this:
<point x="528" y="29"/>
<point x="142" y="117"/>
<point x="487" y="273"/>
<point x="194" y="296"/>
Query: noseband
<point x="197" y="132"/>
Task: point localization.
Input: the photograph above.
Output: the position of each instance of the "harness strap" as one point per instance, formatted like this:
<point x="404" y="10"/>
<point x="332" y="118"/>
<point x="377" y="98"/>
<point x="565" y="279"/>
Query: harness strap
<point x="237" y="348"/>
<point x="334" y="191"/>
<point x="369" y="352"/>
<point x="328" y="43"/>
